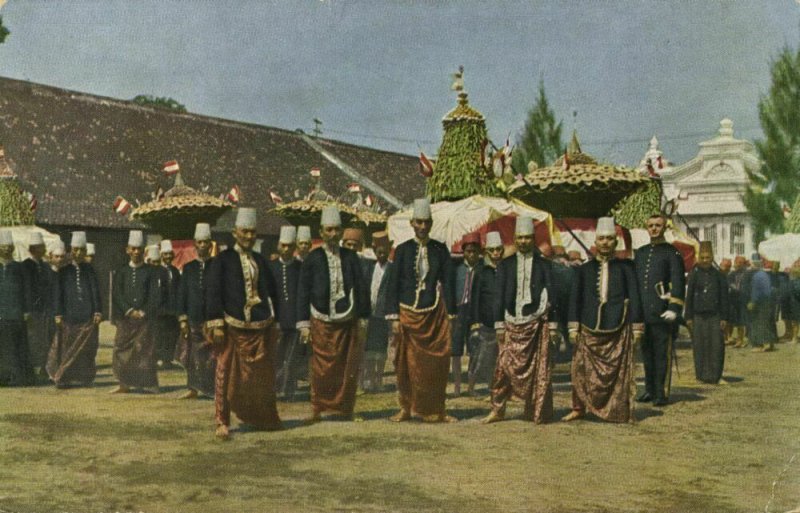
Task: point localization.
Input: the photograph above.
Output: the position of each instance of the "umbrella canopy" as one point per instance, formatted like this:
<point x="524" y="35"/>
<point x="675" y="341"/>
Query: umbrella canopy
<point x="579" y="188"/>
<point x="783" y="248"/>
<point x="309" y="211"/>
<point x="453" y="220"/>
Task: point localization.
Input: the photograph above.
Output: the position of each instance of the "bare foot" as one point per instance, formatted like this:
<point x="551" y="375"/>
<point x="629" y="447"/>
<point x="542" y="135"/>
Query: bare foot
<point x="401" y="416"/>
<point x="121" y="389"/>
<point x="723" y="381"/>
<point x="573" y="415"/>
<point x="437" y="418"/>
<point x="222" y="433"/>
<point x="313" y="419"/>
<point x="189" y="394"/>
<point x="493" y="417"/>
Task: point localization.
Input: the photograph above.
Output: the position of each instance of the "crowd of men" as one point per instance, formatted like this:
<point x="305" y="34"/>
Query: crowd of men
<point x="248" y="327"/>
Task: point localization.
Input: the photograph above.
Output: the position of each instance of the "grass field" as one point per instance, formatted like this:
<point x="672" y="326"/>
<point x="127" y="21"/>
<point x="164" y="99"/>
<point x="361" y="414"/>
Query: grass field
<point x="717" y="449"/>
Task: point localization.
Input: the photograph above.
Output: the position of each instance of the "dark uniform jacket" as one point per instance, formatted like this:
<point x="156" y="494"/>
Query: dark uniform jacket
<point x="192" y="291"/>
<point x="136" y="289"/>
<point x="226" y="294"/>
<point x="403" y="280"/>
<point x="314" y="285"/>
<point x="622" y="305"/>
<point x="286" y="276"/>
<point x="659" y="269"/>
<point x="483" y="296"/>
<point x="77" y="293"/>
<point x="707" y="294"/>
<point x="42" y="283"/>
<point x="541" y="279"/>
<point x="15" y="292"/>
<point x="170" y="283"/>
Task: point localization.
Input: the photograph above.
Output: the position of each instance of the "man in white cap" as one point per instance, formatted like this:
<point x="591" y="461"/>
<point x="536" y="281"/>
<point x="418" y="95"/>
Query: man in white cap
<point x="135" y="303"/>
<point x="332" y="298"/>
<point x="77" y="317"/>
<point x="241" y="304"/>
<point x="481" y="319"/>
<point x="662" y="287"/>
<point x="90" y="252"/>
<point x="167" y="327"/>
<point x="42" y="280"/>
<point x="152" y="256"/>
<point x="605" y="323"/>
<point x="303" y="242"/>
<point x="15" y="307"/>
<point x="420" y="305"/>
<point x="57" y="255"/>
<point x="465" y="274"/>
<point x="195" y="354"/>
<point x="378" y="330"/>
<point x="523" y="324"/>
<point x="286" y="272"/>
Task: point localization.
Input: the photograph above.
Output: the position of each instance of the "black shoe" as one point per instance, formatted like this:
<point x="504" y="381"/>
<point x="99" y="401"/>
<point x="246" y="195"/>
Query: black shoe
<point x="644" y="398"/>
<point x="660" y="402"/>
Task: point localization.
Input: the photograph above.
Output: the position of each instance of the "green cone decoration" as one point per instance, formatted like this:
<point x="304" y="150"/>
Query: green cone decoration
<point x="15" y="206"/>
<point x="459" y="172"/>
<point x="792" y="224"/>
<point x="633" y="211"/>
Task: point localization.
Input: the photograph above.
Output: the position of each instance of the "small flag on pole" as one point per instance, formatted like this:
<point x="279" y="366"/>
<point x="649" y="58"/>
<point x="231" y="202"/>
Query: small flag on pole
<point x="233" y="194"/>
<point x="275" y="198"/>
<point x="121" y="206"/>
<point x="316" y="172"/>
<point x="425" y="166"/>
<point x="171" y="167"/>
<point x="354" y="187"/>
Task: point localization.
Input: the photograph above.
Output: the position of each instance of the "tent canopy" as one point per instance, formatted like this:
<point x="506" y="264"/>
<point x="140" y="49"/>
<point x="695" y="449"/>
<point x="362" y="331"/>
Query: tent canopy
<point x="784" y="248"/>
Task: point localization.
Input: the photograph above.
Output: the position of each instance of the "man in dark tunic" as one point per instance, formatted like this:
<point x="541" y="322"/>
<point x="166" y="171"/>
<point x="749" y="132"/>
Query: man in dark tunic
<point x="195" y="345"/>
<point x="523" y="325"/>
<point x="291" y="354"/>
<point x="605" y="324"/>
<point x="90" y="253"/>
<point x="725" y="267"/>
<point x="303" y="242"/>
<point x="466" y="272"/>
<point x="483" y="355"/>
<point x="761" y="307"/>
<point x="167" y="326"/>
<point x="662" y="287"/>
<point x="738" y="301"/>
<point x="420" y="306"/>
<point x="780" y="296"/>
<point x="15" y="307"/>
<point x="378" y="330"/>
<point x="332" y="301"/>
<point x="241" y="308"/>
<point x="77" y="317"/>
<point x="706" y="316"/>
<point x="42" y="280"/>
<point x="135" y="299"/>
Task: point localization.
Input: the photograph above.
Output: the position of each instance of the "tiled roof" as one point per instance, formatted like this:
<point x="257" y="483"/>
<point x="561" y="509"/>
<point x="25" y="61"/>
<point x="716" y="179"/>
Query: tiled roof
<point x="76" y="152"/>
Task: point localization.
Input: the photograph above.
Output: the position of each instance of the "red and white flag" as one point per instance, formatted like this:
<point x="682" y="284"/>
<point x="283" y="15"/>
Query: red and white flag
<point x="425" y="166"/>
<point x="32" y="201"/>
<point x="171" y="167"/>
<point x="369" y="200"/>
<point x="316" y="172"/>
<point x="275" y="198"/>
<point x="233" y="194"/>
<point x="121" y="206"/>
<point x="354" y="187"/>
<point x="565" y="162"/>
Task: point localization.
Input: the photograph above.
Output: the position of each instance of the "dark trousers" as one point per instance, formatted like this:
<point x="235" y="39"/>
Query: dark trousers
<point x="289" y="363"/>
<point x="168" y="330"/>
<point x="657" y="356"/>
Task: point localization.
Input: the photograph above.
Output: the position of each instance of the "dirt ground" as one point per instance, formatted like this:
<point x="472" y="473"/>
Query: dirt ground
<point x="730" y="448"/>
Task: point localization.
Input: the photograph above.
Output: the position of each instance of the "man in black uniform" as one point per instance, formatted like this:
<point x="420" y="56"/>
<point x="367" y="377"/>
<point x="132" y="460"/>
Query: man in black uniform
<point x="42" y="280"/>
<point x="15" y="307"/>
<point x="662" y="285"/>
<point x="167" y="327"/>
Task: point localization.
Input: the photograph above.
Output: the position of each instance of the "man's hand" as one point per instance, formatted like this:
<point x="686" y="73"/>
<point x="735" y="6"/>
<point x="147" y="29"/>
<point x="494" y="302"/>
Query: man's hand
<point x="751" y="306"/>
<point x="573" y="338"/>
<point x="59" y="320"/>
<point x="185" y="329"/>
<point x="557" y="340"/>
<point x="26" y="317"/>
<point x="637" y="337"/>
<point x="97" y="318"/>
<point x="500" y="335"/>
<point x="669" y="316"/>
<point x="723" y="325"/>
<point x="396" y="327"/>
<point x="218" y="337"/>
<point x="136" y="314"/>
<point x="305" y="335"/>
<point x="690" y="324"/>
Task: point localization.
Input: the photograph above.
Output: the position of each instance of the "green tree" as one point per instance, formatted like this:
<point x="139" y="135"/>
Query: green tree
<point x="540" y="140"/>
<point x="777" y="180"/>
<point x="159" y="103"/>
<point x="4" y="32"/>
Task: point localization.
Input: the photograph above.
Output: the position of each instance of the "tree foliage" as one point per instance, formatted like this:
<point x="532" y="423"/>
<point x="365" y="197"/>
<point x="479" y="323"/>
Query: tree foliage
<point x="634" y="210"/>
<point x="4" y="32"/>
<point x="776" y="183"/>
<point x="159" y="103"/>
<point x="15" y="209"/>
<point x="540" y="140"/>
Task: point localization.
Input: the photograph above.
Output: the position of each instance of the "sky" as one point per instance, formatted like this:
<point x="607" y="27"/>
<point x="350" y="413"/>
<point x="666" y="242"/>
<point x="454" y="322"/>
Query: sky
<point x="378" y="72"/>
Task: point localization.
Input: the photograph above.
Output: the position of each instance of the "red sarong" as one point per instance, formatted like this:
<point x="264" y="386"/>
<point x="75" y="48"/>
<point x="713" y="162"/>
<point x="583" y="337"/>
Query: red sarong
<point x="602" y="374"/>
<point x="245" y="378"/>
<point x="335" y="362"/>
<point x="72" y="354"/>
<point x="422" y="360"/>
<point x="523" y="369"/>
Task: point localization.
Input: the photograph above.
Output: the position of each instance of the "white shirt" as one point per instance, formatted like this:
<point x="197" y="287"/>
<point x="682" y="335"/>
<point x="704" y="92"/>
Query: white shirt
<point x="524" y="273"/>
<point x="375" y="286"/>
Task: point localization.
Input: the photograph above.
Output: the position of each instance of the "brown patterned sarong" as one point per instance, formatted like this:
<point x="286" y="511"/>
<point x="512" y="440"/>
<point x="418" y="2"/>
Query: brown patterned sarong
<point x="245" y="378"/>
<point x="134" y="355"/>
<point x="335" y="362"/>
<point x="72" y="354"/>
<point x="422" y="360"/>
<point x="523" y="369"/>
<point x="195" y="355"/>
<point x="603" y="374"/>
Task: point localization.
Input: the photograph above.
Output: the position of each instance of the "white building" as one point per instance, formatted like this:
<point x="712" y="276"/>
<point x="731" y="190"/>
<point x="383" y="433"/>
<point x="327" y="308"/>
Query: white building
<point x="708" y="190"/>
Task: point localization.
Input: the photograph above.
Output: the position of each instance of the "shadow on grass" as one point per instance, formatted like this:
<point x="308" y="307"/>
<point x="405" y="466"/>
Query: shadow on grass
<point x="684" y="395"/>
<point x="645" y="413"/>
<point x="733" y="379"/>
